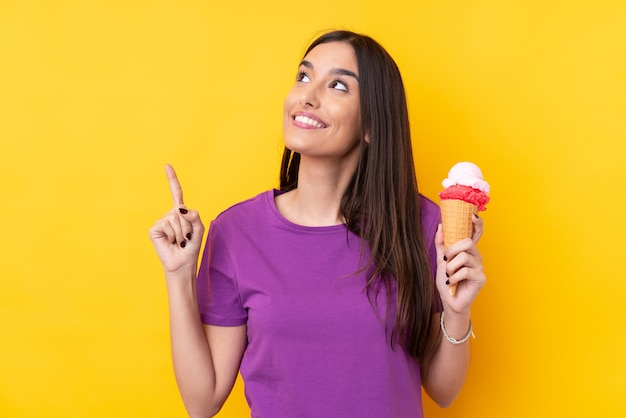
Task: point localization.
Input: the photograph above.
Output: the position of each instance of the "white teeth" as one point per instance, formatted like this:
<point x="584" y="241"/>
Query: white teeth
<point x="308" y="121"/>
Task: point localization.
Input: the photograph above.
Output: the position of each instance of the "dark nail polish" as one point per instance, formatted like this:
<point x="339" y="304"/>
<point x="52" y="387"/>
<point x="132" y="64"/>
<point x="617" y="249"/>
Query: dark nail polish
<point x="447" y="275"/>
<point x="189" y="236"/>
<point x="182" y="244"/>
<point x="476" y="216"/>
<point x="448" y="282"/>
<point x="183" y="211"/>
<point x="445" y="258"/>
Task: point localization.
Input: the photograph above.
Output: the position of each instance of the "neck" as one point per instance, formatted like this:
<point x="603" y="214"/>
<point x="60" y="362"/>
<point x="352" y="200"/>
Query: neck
<point x="317" y="200"/>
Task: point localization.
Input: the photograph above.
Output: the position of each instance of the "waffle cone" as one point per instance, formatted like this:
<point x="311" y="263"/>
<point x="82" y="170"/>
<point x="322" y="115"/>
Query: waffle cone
<point x="456" y="216"/>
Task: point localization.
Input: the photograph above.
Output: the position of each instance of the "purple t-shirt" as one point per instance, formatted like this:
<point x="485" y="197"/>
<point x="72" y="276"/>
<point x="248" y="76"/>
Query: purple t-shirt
<point x="317" y="346"/>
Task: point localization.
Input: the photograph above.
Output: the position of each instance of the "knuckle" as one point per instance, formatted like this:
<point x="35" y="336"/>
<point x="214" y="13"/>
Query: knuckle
<point x="464" y="258"/>
<point x="170" y="216"/>
<point x="465" y="273"/>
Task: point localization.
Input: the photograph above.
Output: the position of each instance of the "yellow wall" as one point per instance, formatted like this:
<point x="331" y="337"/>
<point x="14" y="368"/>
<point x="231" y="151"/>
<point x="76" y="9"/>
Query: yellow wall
<point x="95" y="97"/>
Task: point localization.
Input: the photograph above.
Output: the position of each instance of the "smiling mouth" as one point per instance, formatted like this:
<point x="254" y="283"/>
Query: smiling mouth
<point x="308" y="121"/>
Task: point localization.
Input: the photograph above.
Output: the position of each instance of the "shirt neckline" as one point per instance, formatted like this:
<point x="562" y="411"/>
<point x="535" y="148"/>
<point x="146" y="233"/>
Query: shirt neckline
<point x="270" y="196"/>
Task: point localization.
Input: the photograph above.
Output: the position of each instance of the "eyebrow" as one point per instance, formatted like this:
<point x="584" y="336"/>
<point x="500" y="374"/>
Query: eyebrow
<point x="336" y="71"/>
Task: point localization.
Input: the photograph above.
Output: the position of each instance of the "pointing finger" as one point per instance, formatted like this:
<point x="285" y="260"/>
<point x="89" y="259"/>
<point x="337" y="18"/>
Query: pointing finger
<point x="175" y="189"/>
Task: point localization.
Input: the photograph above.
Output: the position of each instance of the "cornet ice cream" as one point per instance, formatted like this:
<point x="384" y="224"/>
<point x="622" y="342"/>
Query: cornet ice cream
<point x="465" y="194"/>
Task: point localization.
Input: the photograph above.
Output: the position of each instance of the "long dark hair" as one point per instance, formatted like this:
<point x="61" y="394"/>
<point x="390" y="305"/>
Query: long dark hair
<point x="381" y="202"/>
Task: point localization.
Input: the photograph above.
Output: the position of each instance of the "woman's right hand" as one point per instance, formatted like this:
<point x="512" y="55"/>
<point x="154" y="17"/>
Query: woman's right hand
<point x="177" y="235"/>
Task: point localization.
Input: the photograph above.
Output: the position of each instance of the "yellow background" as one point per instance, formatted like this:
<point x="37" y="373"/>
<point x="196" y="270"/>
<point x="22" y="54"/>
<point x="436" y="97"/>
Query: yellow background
<point x="96" y="96"/>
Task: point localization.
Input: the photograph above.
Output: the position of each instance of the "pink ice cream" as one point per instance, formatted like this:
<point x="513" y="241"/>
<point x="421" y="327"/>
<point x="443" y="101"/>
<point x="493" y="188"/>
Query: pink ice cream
<point x="465" y="182"/>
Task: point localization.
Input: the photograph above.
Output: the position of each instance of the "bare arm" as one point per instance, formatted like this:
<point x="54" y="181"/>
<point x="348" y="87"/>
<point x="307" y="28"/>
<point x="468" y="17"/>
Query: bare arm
<point x="444" y="372"/>
<point x="206" y="358"/>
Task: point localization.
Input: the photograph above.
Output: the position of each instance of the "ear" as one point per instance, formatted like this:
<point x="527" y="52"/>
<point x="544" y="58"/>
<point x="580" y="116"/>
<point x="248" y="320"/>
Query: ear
<point x="367" y="137"/>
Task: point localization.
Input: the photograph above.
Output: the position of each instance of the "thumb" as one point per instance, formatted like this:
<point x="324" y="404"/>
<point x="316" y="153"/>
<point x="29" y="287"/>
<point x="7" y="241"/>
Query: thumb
<point x="195" y="223"/>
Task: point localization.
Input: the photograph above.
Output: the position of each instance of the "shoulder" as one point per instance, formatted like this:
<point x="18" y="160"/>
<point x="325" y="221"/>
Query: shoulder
<point x="429" y="210"/>
<point x="253" y="205"/>
<point x="249" y="210"/>
<point x="430" y="216"/>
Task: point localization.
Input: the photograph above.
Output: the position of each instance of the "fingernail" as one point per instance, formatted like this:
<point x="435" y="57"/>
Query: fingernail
<point x="183" y="211"/>
<point x="476" y="216"/>
<point x="182" y="244"/>
<point x="446" y="258"/>
<point x="189" y="236"/>
<point x="448" y="281"/>
<point x="447" y="275"/>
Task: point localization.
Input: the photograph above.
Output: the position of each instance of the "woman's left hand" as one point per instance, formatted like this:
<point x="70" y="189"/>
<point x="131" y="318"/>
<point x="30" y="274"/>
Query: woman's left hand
<point x="460" y="264"/>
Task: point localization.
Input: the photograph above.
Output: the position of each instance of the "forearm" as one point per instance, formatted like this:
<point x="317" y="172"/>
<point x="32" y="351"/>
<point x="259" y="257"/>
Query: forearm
<point x="193" y="365"/>
<point x="447" y="369"/>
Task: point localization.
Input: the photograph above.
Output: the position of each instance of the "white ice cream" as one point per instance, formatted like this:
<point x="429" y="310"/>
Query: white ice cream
<point x="466" y="174"/>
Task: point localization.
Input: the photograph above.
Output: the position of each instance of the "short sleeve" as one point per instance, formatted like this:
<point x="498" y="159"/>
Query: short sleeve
<point x="219" y="301"/>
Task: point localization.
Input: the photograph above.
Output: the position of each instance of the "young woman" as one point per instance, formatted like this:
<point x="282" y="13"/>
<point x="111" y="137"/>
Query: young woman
<point x="326" y="294"/>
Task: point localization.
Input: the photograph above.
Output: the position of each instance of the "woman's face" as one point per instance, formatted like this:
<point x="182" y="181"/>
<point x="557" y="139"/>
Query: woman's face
<point x="322" y="111"/>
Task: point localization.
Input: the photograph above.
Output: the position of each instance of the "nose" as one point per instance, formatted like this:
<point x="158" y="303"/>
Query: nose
<point x="309" y="98"/>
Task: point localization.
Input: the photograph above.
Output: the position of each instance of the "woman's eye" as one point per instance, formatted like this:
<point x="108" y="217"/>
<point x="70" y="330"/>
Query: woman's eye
<point x="338" y="85"/>
<point x="303" y="77"/>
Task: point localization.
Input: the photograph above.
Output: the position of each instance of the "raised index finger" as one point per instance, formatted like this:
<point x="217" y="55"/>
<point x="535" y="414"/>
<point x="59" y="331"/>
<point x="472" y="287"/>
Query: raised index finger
<point x="175" y="189"/>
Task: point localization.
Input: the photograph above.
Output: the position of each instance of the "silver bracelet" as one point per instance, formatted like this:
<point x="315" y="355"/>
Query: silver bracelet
<point x="470" y="333"/>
